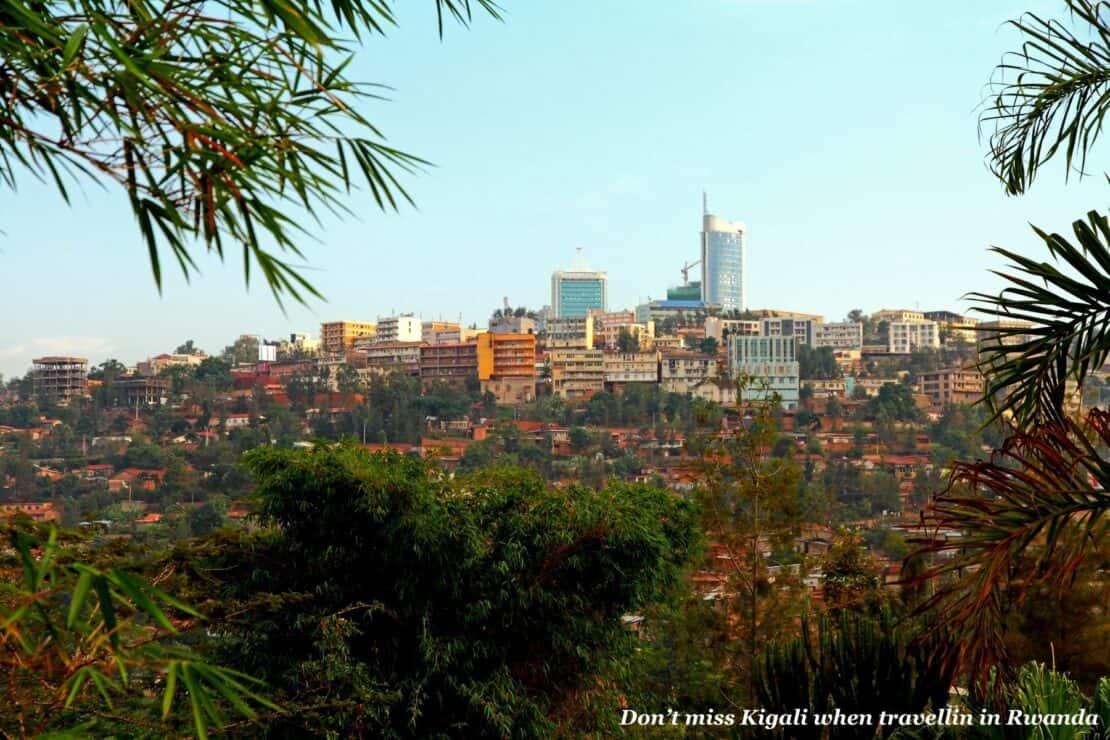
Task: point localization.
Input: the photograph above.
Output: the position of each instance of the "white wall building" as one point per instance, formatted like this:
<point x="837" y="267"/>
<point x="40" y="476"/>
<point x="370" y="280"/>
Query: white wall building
<point x="403" y="328"/>
<point x="766" y="366"/>
<point x="906" y="336"/>
<point x="800" y="329"/>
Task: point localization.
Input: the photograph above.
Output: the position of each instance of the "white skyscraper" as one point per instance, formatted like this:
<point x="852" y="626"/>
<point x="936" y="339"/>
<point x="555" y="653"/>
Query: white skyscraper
<point x="722" y="262"/>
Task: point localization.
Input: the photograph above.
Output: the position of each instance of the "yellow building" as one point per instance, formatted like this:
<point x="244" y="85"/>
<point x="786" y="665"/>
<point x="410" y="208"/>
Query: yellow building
<point x="630" y="367"/>
<point x="577" y="372"/>
<point x="339" y="336"/>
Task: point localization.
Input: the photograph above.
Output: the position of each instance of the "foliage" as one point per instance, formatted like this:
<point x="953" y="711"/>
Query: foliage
<point x="1028" y="368"/>
<point x="819" y="363"/>
<point x="750" y="500"/>
<point x="857" y="664"/>
<point x="852" y="580"/>
<point x="215" y="119"/>
<point x="1050" y="96"/>
<point x="389" y="600"/>
<point x="894" y="401"/>
<point x="1044" y="494"/>
<point x="81" y="649"/>
<point x="1041" y="691"/>
<point x="627" y="341"/>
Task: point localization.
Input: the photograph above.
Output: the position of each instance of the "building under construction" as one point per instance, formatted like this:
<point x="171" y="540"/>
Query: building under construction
<point x="59" y="379"/>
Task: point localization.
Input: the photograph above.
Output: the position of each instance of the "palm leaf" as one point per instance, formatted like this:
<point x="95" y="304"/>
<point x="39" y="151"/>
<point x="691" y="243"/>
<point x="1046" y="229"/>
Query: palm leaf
<point x="1050" y="96"/>
<point x="1058" y="324"/>
<point x="1045" y="494"/>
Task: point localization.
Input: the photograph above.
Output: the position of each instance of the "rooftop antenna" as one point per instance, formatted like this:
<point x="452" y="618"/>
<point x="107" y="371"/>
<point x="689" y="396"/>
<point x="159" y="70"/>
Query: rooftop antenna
<point x="579" y="261"/>
<point x="704" y="203"/>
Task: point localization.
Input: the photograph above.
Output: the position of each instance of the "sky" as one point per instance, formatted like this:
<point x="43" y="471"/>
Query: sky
<point x="843" y="133"/>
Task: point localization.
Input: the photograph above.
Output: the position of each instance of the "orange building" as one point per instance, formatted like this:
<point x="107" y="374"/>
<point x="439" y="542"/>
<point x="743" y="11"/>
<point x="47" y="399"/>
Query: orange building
<point x="507" y="366"/>
<point x="339" y="336"/>
<point x="39" y="511"/>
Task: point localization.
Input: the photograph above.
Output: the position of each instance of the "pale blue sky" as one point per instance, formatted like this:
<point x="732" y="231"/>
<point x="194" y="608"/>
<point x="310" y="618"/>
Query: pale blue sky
<point x="842" y="132"/>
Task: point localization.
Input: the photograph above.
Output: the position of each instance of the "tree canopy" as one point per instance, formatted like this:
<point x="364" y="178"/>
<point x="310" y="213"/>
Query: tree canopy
<point x="392" y="599"/>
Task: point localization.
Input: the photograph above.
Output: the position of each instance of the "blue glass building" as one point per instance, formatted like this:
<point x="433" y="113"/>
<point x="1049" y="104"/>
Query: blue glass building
<point x="722" y="263"/>
<point x="574" y="293"/>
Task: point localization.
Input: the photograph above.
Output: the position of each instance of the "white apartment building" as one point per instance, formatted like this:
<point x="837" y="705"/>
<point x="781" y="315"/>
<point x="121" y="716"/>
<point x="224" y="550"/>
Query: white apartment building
<point x="403" y="328"/>
<point x="766" y="366"/>
<point x="906" y="336"/>
<point x="800" y="329"/>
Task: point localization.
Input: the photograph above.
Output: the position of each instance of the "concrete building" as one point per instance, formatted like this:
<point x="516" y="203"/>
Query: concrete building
<point x="622" y="368"/>
<point x="765" y="366"/>
<point x="403" y="328"/>
<point x="608" y="328"/>
<point x="38" y="511"/>
<point x="957" y="328"/>
<point x="139" y="391"/>
<point x="720" y="391"/>
<point x="844" y="335"/>
<point x="1001" y="331"/>
<point x="58" y="379"/>
<point x="574" y="293"/>
<point x="904" y="337"/>
<point x="681" y="371"/>
<point x="691" y="312"/>
<point x="953" y="385"/>
<point x="155" y="365"/>
<point x="800" y="329"/>
<point x="576" y="373"/>
<point x="403" y="357"/>
<point x="513" y="325"/>
<point x="721" y="329"/>
<point x="507" y="366"/>
<point x="337" y="337"/>
<point x="438" y="332"/>
<point x="722" y="263"/>
<point x="569" y="333"/>
<point x="899" y="315"/>
<point x="778" y="313"/>
<point x="448" y="364"/>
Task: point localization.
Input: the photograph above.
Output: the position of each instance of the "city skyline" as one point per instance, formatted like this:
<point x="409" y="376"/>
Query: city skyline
<point x="886" y="203"/>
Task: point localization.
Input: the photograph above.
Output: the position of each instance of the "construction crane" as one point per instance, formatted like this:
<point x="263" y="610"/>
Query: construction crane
<point x="686" y="271"/>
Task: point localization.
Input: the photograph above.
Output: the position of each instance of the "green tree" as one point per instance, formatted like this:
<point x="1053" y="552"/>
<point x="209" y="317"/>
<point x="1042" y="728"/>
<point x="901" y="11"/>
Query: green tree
<point x="819" y="363"/>
<point x="425" y="606"/>
<point x="627" y="341"/>
<point x="82" y="645"/>
<point x="852" y="580"/>
<point x="580" y="439"/>
<point x="220" y="123"/>
<point x="750" y="501"/>
<point x="188" y="348"/>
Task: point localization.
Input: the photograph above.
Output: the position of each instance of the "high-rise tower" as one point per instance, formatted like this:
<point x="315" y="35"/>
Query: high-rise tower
<point x="722" y="262"/>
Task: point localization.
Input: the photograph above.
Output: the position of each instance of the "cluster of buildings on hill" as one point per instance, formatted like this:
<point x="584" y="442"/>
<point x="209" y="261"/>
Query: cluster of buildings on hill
<point x="699" y="340"/>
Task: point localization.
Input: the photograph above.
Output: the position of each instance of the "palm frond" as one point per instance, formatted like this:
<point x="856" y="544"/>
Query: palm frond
<point x="1045" y="494"/>
<point x="1053" y="326"/>
<point x="1050" y="96"/>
